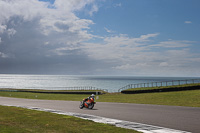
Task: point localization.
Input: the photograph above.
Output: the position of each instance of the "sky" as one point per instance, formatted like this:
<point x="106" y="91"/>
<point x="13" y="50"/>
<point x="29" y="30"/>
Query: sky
<point x="100" y="37"/>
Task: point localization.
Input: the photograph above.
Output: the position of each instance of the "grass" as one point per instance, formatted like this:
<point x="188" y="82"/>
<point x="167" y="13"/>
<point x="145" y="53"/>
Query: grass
<point x="40" y="90"/>
<point x="13" y="119"/>
<point x="44" y="96"/>
<point x="179" y="98"/>
<point x="189" y="98"/>
<point x="163" y="87"/>
<point x="19" y="120"/>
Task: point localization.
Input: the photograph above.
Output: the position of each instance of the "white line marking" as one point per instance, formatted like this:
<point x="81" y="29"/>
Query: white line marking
<point x="118" y="123"/>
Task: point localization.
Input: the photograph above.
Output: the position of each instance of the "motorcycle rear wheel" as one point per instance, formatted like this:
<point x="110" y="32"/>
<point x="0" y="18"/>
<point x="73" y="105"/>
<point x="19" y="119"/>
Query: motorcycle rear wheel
<point x="90" y="106"/>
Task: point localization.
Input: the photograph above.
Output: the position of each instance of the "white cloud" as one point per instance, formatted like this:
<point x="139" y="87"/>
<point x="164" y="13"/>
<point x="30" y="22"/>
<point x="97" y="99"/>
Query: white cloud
<point x="131" y="67"/>
<point x="188" y="22"/>
<point x="11" y="32"/>
<point x="46" y="43"/>
<point x="145" y="37"/>
<point x="174" y="44"/>
<point x="3" y="55"/>
<point x="2" y="28"/>
<point x="93" y="10"/>
<point x="164" y="64"/>
<point x="119" y="47"/>
<point x="76" y="5"/>
<point x="32" y="9"/>
<point x="118" y="5"/>
<point x="36" y="32"/>
<point x="72" y="5"/>
<point x="124" y="40"/>
<point x="28" y="9"/>
<point x="107" y="30"/>
<point x="59" y="22"/>
<point x="140" y="55"/>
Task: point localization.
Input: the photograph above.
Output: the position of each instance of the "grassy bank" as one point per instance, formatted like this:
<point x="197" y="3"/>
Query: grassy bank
<point x="44" y="96"/>
<point x="19" y="120"/>
<point x="179" y="98"/>
<point x="165" y="87"/>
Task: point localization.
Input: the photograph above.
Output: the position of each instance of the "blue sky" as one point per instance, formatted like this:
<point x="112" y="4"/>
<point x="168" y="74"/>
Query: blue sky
<point x="136" y="17"/>
<point x="100" y="37"/>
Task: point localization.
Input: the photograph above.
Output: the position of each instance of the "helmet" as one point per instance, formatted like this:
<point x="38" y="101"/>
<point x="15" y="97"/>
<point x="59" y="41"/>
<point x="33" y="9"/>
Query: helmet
<point x="92" y="95"/>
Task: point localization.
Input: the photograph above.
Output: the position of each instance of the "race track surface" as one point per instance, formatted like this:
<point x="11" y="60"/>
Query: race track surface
<point x="174" y="117"/>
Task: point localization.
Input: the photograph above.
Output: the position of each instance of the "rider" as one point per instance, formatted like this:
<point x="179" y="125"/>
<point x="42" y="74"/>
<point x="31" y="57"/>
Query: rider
<point x="92" y="96"/>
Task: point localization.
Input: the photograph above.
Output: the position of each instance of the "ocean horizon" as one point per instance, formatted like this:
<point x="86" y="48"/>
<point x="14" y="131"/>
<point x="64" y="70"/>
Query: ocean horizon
<point x="65" y="82"/>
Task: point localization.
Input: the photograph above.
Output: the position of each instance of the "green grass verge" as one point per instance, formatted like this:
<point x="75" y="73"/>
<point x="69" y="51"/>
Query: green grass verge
<point x="40" y="90"/>
<point x="19" y="120"/>
<point x="179" y="98"/>
<point x="45" y="96"/>
<point x="163" y="87"/>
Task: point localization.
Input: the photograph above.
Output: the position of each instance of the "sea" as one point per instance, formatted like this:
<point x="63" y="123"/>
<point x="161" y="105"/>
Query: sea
<point x="68" y="82"/>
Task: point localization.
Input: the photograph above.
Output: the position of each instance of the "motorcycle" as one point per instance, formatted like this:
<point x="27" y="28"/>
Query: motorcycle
<point x="87" y="103"/>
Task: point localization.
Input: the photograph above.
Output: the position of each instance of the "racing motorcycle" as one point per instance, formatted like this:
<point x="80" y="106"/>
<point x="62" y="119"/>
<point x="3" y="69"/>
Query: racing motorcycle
<point x="87" y="103"/>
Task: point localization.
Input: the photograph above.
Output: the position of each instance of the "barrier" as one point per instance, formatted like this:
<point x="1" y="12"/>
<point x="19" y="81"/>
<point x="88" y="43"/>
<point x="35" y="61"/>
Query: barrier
<point x="160" y="84"/>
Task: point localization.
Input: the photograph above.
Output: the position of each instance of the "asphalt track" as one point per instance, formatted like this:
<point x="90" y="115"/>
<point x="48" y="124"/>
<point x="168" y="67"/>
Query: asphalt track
<point x="174" y="117"/>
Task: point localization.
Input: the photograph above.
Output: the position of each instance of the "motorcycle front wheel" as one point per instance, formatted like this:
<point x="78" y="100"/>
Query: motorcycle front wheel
<point x="81" y="105"/>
